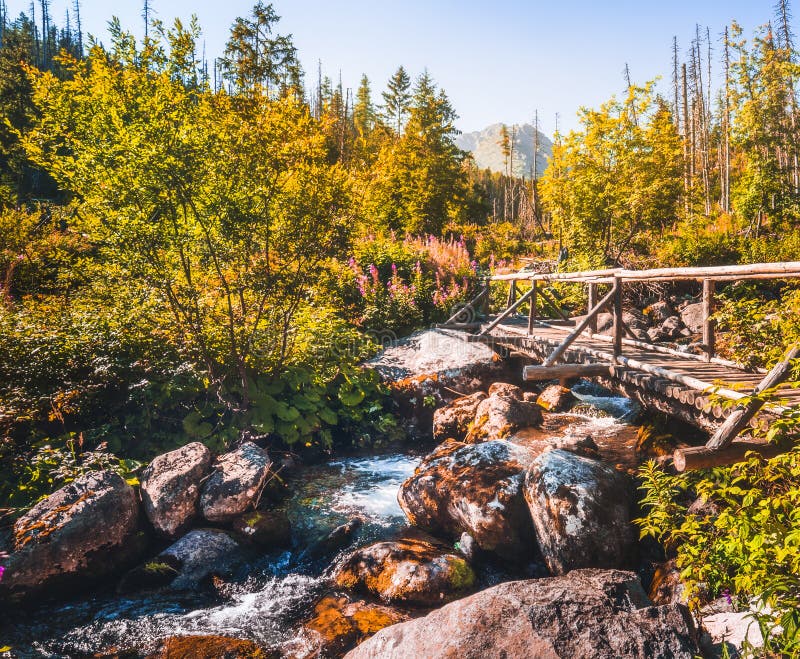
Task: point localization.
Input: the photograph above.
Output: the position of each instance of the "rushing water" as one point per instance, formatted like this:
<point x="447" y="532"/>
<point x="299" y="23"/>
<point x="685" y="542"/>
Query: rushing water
<point x="269" y="594"/>
<point x="263" y="606"/>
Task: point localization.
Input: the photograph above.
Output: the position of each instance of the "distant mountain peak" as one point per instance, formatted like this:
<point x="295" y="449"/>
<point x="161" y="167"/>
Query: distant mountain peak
<point x="484" y="145"/>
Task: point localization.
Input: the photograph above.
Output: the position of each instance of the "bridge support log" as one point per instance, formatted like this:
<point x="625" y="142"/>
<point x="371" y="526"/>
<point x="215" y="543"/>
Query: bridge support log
<point x="700" y="457"/>
<point x="740" y="417"/>
<point x="559" y="371"/>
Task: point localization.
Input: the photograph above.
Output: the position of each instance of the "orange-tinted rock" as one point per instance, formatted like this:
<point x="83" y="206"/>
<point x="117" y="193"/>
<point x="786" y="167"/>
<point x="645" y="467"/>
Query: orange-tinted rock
<point x="454" y="420"/>
<point x="208" y="647"/>
<point x="500" y="415"/>
<point x="339" y="623"/>
<point x="556" y="398"/>
<point x="506" y="389"/>
<point x="473" y="488"/>
<point x="415" y="569"/>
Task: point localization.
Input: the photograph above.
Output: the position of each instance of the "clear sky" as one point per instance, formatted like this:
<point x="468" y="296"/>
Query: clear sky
<point x="497" y="60"/>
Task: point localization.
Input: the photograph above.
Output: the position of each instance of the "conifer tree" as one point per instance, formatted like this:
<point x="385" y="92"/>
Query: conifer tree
<point x="397" y="99"/>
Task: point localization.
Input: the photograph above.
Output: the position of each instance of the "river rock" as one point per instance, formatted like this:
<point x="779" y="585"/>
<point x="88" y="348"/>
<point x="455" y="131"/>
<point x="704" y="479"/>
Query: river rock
<point x="454" y="420"/>
<point x="339" y="623"/>
<point x="336" y="540"/>
<point x="415" y="569"/>
<point x="171" y="488"/>
<point x="266" y="528"/>
<point x="84" y="530"/>
<point x="237" y="481"/>
<point x="506" y="389"/>
<point x="424" y="369"/>
<point x="206" y="647"/>
<point x="473" y="488"/>
<point x="692" y="317"/>
<point x="556" y="398"/>
<point x="587" y="614"/>
<point x="198" y="554"/>
<point x="500" y="415"/>
<point x="673" y="328"/>
<point x="581" y="511"/>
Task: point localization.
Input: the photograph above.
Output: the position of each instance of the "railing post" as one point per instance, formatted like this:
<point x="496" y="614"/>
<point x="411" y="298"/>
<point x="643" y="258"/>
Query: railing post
<point x="486" y="298"/>
<point x="618" y="330"/>
<point x="709" y="288"/>
<point x="592" y="304"/>
<point x="512" y="293"/>
<point x="532" y="312"/>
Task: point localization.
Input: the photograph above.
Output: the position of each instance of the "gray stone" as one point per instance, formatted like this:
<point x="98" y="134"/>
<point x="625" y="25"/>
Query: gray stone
<point x="198" y="554"/>
<point x="597" y="614"/>
<point x="556" y="398"/>
<point x="171" y="488"/>
<point x="692" y="317"/>
<point x="236" y="484"/>
<point x="581" y="511"/>
<point x="82" y="530"/>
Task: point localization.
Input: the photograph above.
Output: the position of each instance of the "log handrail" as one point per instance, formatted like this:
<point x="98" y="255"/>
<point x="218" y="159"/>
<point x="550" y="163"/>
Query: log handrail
<point x="721" y="272"/>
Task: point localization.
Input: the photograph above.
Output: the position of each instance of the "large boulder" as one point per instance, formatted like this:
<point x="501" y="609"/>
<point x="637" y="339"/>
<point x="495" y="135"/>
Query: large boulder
<point x="424" y="369"/>
<point x="415" y="569"/>
<point x="338" y="623"/>
<point x="197" y="555"/>
<point x="171" y="488"/>
<point x="453" y="420"/>
<point x="581" y="511"/>
<point x="587" y="614"/>
<point x="236" y="484"/>
<point x="500" y="415"/>
<point x="84" y="530"/>
<point x="473" y="488"/>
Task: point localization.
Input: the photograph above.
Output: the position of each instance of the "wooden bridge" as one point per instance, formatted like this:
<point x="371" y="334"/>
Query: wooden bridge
<point x="702" y="389"/>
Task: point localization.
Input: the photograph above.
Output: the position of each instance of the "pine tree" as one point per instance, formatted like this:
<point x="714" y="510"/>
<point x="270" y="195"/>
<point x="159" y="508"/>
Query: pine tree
<point x="397" y="99"/>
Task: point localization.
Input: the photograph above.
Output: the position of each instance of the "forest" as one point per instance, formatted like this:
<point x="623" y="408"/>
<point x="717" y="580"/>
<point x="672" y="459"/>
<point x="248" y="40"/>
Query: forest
<point x="195" y="250"/>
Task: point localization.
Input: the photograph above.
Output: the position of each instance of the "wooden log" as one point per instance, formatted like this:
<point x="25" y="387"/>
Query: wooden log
<point x="651" y="347"/>
<point x="559" y="371"/>
<point x="532" y="311"/>
<point x="556" y="354"/>
<point x="468" y="308"/>
<point x="512" y="293"/>
<point x="617" y="317"/>
<point x="701" y="457"/>
<point x="731" y="272"/>
<point x="591" y="305"/>
<point x="506" y="313"/>
<point x="468" y="327"/>
<point x="739" y="418"/>
<point x="708" y="321"/>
